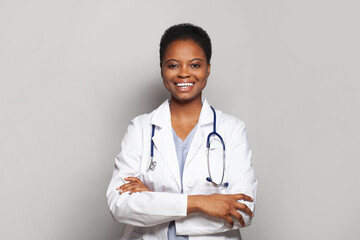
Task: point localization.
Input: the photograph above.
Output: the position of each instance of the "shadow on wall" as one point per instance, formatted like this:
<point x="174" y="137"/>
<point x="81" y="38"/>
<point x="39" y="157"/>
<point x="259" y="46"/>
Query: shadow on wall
<point x="146" y="97"/>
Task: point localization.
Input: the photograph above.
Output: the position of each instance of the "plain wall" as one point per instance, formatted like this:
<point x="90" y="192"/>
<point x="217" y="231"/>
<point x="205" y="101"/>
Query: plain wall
<point x="74" y="73"/>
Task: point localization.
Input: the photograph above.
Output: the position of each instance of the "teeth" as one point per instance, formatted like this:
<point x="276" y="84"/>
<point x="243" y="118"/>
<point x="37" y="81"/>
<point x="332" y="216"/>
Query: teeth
<point x="184" y="84"/>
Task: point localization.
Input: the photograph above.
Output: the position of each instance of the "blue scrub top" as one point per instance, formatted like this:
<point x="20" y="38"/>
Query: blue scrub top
<point x="182" y="149"/>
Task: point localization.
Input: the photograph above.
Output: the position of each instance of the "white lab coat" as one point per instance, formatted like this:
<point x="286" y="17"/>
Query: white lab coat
<point x="146" y="215"/>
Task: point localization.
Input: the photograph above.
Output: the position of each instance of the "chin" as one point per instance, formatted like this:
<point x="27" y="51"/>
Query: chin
<point x="186" y="98"/>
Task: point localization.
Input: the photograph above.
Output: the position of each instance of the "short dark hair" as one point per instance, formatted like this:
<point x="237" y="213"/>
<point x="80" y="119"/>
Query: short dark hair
<point x="185" y="31"/>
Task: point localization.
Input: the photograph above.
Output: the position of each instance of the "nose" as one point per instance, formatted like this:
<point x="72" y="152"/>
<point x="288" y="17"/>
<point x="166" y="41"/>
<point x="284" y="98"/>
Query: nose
<point x="183" y="73"/>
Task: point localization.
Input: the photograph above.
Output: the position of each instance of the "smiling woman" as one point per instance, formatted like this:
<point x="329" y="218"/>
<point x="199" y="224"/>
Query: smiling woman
<point x="174" y="195"/>
<point x="185" y="70"/>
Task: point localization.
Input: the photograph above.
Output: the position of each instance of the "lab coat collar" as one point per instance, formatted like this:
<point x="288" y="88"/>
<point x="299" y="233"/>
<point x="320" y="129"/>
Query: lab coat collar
<point x="162" y="118"/>
<point x="163" y="138"/>
<point x="205" y="119"/>
<point x="206" y="114"/>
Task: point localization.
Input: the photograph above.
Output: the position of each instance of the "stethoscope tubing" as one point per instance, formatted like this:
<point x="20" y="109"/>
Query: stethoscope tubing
<point x="209" y="179"/>
<point x="152" y="162"/>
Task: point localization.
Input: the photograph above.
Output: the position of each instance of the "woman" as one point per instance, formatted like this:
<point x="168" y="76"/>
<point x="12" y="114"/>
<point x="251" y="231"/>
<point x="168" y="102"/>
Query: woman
<point x="165" y="185"/>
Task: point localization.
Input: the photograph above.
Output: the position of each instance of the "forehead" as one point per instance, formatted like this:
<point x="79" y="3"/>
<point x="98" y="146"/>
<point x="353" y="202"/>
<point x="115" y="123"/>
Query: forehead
<point x="184" y="49"/>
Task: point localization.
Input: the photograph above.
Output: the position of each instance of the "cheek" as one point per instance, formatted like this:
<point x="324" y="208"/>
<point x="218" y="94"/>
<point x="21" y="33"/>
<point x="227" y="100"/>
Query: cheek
<point x="167" y="75"/>
<point x="166" y="81"/>
<point x="202" y="76"/>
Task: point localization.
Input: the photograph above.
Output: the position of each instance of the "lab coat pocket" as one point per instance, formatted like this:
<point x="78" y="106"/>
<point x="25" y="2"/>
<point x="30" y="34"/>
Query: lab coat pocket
<point x="200" y="168"/>
<point x="208" y="188"/>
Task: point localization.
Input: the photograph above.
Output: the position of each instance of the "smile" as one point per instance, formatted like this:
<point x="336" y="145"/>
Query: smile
<point x="184" y="85"/>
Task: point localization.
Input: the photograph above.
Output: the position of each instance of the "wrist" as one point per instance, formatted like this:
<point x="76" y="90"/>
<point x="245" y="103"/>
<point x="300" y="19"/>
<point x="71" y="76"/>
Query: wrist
<point x="194" y="203"/>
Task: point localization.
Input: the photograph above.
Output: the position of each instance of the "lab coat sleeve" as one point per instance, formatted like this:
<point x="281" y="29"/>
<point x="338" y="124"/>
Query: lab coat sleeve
<point x="240" y="171"/>
<point x="141" y="209"/>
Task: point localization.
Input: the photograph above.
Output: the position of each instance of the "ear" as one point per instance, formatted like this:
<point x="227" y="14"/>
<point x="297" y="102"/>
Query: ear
<point x="208" y="69"/>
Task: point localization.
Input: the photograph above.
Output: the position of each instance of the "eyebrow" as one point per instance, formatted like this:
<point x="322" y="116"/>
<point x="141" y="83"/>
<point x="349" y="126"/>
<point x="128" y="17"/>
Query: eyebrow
<point x="171" y="59"/>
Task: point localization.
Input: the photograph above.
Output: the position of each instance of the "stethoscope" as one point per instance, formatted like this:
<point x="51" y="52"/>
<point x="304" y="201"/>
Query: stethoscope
<point x="213" y="133"/>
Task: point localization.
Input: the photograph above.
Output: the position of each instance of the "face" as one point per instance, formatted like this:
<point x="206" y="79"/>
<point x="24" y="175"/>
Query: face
<point x="185" y="70"/>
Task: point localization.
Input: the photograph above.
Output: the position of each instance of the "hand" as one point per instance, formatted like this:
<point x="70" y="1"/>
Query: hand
<point x="223" y="206"/>
<point x="134" y="185"/>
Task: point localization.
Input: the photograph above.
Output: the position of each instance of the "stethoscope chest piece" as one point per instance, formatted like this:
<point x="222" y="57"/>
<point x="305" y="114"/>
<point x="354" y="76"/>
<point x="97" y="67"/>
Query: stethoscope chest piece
<point x="152" y="164"/>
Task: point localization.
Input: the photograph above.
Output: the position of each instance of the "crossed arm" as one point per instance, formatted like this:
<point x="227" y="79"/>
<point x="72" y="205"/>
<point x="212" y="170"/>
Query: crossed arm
<point x="232" y="208"/>
<point x="224" y="206"/>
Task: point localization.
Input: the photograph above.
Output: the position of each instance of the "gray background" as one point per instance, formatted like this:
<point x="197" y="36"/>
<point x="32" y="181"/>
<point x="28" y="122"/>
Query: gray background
<point x="74" y="73"/>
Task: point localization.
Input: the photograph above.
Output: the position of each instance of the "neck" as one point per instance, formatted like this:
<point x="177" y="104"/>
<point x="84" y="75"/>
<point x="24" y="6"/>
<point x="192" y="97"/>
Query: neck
<point x="185" y="111"/>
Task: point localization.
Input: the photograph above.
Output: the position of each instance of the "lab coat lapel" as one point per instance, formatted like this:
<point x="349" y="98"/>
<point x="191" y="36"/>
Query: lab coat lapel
<point x="205" y="119"/>
<point x="164" y="141"/>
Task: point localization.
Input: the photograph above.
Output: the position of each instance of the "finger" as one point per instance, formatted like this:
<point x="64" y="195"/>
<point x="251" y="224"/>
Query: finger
<point x="133" y="179"/>
<point x="134" y="187"/>
<point x="131" y="189"/>
<point x="138" y="189"/>
<point x="134" y="183"/>
<point x="241" y="196"/>
<point x="244" y="208"/>
<point x="124" y="190"/>
<point x="238" y="216"/>
<point x="230" y="220"/>
<point x="122" y="186"/>
<point x="126" y="184"/>
<point x="127" y="187"/>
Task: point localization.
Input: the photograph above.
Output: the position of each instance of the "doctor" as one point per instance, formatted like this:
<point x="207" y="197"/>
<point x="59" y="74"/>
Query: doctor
<point x="166" y="183"/>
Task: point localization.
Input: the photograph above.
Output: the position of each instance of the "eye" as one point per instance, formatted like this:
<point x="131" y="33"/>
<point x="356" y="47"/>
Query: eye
<point x="195" y="65"/>
<point x="172" y="66"/>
